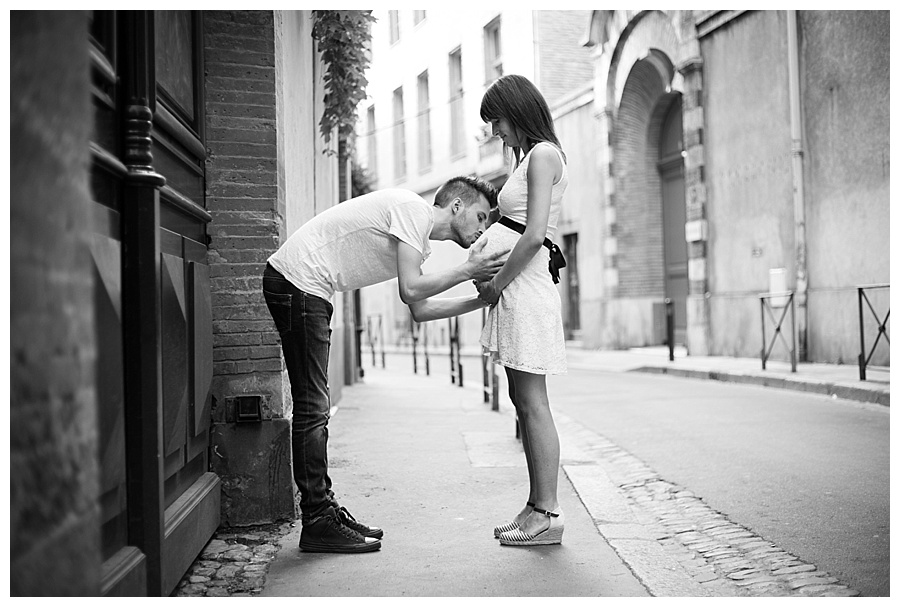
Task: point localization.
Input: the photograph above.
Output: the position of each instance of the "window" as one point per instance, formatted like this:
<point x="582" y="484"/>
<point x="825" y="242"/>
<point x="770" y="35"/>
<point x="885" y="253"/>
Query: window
<point x="418" y="17"/>
<point x="371" y="143"/>
<point x="424" y="124"/>
<point x="493" y="62"/>
<point x="394" y="22"/>
<point x="456" y="104"/>
<point x="399" y="137"/>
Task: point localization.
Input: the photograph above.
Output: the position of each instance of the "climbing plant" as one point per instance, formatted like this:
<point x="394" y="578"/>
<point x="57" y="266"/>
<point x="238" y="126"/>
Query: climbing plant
<point x="343" y="39"/>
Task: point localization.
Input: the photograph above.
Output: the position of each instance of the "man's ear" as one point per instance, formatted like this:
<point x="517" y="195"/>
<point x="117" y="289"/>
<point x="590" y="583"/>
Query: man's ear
<point x="457" y="205"/>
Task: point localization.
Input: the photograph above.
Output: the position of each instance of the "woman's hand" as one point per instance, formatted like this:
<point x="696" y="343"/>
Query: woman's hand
<point x="488" y="292"/>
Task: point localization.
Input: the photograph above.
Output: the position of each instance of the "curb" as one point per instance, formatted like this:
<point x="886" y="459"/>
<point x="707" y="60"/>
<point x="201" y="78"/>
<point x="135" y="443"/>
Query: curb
<point x="837" y="390"/>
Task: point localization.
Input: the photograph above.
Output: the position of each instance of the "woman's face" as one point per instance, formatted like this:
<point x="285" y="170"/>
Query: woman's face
<point x="501" y="127"/>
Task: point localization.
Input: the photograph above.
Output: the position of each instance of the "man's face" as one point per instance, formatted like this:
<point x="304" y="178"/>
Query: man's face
<point x="470" y="221"/>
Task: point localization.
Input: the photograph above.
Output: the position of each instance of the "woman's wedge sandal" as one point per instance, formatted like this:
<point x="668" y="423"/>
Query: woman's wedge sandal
<point x="551" y="535"/>
<point x="510" y="525"/>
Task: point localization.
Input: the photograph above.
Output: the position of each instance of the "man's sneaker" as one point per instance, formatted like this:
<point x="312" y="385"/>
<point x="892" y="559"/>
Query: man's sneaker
<point x="360" y="528"/>
<point x="326" y="533"/>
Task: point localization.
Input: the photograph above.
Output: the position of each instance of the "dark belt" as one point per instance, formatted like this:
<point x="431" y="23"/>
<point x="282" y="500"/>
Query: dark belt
<point x="557" y="261"/>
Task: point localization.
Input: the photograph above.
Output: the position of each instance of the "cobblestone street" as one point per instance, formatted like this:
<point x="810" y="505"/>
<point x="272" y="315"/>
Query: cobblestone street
<point x="675" y="543"/>
<point x="235" y="562"/>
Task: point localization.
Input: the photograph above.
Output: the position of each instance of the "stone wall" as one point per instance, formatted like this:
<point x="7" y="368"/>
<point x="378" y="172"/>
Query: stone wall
<point x="845" y="80"/>
<point x="747" y="144"/>
<point x="54" y="518"/>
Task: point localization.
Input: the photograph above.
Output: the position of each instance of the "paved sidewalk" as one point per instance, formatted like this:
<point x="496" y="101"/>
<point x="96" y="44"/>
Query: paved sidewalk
<point x="839" y="381"/>
<point x="437" y="469"/>
<point x="433" y="465"/>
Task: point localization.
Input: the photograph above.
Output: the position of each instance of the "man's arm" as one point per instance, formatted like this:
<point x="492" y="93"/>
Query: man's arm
<point x="416" y="286"/>
<point x="437" y="308"/>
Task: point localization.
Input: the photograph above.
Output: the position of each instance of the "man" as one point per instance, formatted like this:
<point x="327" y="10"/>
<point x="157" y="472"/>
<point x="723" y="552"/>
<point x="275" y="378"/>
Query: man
<point x="360" y="242"/>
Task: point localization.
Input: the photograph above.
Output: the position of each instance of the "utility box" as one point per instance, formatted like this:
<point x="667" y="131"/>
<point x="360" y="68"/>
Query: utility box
<point x="778" y="284"/>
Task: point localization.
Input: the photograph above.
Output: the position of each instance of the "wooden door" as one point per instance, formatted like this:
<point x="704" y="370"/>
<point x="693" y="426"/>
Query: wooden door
<point x="675" y="254"/>
<point x="573" y="295"/>
<point x="159" y="502"/>
<point x="125" y="563"/>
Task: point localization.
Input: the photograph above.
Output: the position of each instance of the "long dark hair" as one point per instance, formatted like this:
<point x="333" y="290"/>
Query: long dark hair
<point x="515" y="98"/>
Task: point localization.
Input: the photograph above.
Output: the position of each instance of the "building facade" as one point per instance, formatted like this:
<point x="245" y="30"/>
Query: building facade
<point x="161" y="157"/>
<point x="780" y="121"/>
<point x="420" y="123"/>
<point x="715" y="157"/>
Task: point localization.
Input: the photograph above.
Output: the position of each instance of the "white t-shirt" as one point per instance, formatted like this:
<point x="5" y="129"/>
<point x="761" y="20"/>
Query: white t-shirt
<point x="354" y="244"/>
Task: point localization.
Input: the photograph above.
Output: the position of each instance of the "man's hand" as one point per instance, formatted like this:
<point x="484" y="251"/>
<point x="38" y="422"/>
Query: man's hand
<point x="484" y="266"/>
<point x="487" y="292"/>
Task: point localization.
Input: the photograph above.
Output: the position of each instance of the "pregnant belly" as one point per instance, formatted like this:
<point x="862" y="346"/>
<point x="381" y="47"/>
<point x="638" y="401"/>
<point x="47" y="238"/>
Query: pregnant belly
<point x="499" y="238"/>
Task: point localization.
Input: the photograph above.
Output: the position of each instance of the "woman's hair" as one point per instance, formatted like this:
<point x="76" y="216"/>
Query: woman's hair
<point x="515" y="98"/>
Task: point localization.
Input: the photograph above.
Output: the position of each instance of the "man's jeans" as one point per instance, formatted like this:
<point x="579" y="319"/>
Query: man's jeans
<point x="303" y="321"/>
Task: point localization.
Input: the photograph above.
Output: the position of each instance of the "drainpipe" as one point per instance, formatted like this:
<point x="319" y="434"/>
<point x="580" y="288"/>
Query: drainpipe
<point x="797" y="173"/>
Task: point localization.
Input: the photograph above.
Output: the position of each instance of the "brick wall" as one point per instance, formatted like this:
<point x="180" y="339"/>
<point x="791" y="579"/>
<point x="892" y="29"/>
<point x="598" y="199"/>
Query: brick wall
<point x="242" y="195"/>
<point x="638" y="210"/>
<point x="54" y="530"/>
<point x="241" y="189"/>
<point x="564" y="65"/>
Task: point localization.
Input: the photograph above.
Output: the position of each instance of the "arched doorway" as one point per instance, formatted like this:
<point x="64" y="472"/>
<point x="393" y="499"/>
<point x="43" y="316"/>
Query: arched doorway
<point x="671" y="176"/>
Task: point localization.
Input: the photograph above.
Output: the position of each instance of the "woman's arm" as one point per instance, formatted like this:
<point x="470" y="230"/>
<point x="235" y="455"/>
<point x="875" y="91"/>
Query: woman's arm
<point x="544" y="168"/>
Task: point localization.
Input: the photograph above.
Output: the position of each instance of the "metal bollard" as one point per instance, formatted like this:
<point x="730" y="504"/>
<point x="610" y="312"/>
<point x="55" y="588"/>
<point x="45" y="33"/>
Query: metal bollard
<point x="456" y="367"/>
<point x="414" y="332"/>
<point x="670" y="327"/>
<point x="484" y="366"/>
<point x="425" y="349"/>
<point x="452" y="358"/>
<point x="495" y="388"/>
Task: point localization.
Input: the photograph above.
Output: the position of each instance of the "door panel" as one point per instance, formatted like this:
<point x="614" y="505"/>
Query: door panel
<point x="106" y="255"/>
<point x="124" y="570"/>
<point x="675" y="253"/>
<point x="159" y="502"/>
<point x="174" y="60"/>
<point x="174" y="353"/>
<point x="191" y="492"/>
<point x="675" y="248"/>
<point x="203" y="349"/>
<point x="573" y="297"/>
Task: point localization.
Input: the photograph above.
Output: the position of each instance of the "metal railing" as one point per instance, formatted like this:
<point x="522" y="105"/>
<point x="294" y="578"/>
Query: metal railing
<point x="781" y="300"/>
<point x="882" y="326"/>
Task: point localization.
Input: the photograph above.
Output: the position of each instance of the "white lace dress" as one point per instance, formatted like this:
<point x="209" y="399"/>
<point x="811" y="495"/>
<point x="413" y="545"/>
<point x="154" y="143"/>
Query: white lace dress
<point x="524" y="331"/>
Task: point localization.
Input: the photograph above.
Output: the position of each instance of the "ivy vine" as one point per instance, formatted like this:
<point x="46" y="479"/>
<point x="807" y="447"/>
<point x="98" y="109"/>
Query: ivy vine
<point x="343" y="40"/>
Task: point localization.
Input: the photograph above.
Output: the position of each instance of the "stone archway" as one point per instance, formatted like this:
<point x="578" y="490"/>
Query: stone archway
<point x="641" y="232"/>
<point x="646" y="61"/>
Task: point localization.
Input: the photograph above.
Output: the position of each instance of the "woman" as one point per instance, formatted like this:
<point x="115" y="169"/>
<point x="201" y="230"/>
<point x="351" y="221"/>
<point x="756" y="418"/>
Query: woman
<point x="524" y="330"/>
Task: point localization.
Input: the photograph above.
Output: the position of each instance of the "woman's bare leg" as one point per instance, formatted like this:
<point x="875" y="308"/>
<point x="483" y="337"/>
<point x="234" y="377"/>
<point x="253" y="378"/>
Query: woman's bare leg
<point x="542" y="452"/>
<point x="520" y="517"/>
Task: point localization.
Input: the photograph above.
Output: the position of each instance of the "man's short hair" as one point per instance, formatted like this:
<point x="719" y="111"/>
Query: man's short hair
<point x="467" y="189"/>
